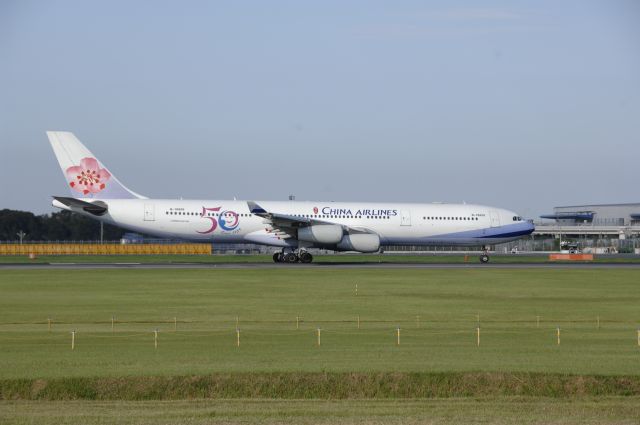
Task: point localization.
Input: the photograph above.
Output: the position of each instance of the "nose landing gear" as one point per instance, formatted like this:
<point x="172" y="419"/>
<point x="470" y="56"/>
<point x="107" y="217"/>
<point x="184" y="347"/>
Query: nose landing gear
<point x="484" y="258"/>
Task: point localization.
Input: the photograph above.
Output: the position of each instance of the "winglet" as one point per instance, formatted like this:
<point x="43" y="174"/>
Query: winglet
<point x="255" y="208"/>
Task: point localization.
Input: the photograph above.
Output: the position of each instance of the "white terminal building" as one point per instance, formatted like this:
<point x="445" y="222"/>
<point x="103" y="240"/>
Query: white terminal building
<point x="615" y="225"/>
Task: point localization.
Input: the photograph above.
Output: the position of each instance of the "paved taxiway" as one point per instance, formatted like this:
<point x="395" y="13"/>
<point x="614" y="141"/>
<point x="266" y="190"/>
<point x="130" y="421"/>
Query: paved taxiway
<point x="316" y="266"/>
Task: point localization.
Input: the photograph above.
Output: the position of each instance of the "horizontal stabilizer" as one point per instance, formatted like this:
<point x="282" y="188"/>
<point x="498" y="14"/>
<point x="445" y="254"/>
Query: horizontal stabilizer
<point x="95" y="208"/>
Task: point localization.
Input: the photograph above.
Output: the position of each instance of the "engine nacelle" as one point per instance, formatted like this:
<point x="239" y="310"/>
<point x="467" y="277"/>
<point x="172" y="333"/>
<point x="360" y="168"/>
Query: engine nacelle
<point x="327" y="234"/>
<point x="362" y="242"/>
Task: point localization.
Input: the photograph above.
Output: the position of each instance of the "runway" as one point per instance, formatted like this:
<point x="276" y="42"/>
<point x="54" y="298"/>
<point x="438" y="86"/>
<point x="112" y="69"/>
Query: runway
<point x="313" y="266"/>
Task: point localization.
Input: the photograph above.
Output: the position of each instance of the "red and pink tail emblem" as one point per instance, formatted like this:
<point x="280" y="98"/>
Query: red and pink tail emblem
<point x="87" y="177"/>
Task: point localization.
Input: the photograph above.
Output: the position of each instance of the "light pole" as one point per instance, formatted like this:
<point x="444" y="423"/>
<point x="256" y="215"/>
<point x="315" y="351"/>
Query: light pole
<point x="21" y="235"/>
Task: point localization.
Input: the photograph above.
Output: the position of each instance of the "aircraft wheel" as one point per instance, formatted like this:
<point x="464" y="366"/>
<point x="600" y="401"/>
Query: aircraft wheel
<point x="305" y="257"/>
<point x="290" y="258"/>
<point x="484" y="258"/>
<point x="277" y="257"/>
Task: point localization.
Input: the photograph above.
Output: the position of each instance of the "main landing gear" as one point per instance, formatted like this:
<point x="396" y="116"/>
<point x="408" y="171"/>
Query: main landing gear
<point x="293" y="257"/>
<point x="484" y="258"/>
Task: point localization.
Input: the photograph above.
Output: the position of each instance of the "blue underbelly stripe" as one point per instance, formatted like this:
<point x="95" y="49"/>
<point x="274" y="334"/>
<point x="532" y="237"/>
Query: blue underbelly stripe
<point x="507" y="231"/>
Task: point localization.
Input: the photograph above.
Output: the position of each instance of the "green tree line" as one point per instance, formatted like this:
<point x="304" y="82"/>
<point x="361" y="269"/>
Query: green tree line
<point x="58" y="226"/>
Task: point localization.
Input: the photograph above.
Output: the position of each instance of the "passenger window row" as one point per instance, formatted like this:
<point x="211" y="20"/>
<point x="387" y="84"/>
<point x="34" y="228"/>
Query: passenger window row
<point x="451" y="218"/>
<point x="206" y="215"/>
<point x="370" y="217"/>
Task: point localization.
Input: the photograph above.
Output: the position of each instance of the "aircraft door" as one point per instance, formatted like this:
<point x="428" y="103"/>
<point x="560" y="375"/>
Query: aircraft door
<point x="149" y="212"/>
<point x="405" y="218"/>
<point x="495" y="218"/>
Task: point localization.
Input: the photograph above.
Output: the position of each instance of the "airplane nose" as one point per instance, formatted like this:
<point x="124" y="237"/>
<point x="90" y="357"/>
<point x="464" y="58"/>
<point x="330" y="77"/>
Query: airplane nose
<point x="530" y="226"/>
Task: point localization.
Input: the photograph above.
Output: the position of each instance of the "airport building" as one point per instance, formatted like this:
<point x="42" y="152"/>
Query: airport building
<point x="620" y="215"/>
<point x="598" y="227"/>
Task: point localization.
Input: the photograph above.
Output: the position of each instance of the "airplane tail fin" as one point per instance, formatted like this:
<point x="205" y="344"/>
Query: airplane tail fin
<point x="86" y="176"/>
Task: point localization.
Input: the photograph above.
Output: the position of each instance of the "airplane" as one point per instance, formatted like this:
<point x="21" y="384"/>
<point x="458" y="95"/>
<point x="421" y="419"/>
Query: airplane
<point x="293" y="226"/>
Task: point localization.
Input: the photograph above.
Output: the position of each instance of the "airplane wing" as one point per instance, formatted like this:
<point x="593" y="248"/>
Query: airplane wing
<point x="283" y="220"/>
<point x="282" y="225"/>
<point x="285" y="225"/>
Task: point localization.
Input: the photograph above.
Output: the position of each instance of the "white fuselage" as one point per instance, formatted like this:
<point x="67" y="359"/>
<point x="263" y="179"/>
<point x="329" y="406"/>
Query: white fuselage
<point x="221" y="221"/>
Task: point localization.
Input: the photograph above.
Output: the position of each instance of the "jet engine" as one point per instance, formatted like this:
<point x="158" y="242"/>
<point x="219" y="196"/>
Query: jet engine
<point x="327" y="234"/>
<point x="362" y="242"/>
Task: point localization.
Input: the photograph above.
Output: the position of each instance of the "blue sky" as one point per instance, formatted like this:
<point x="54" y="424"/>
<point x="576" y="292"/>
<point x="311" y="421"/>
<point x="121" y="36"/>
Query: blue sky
<point x="523" y="105"/>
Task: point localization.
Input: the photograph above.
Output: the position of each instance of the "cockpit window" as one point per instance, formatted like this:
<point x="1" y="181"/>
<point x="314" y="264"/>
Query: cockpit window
<point x="517" y="218"/>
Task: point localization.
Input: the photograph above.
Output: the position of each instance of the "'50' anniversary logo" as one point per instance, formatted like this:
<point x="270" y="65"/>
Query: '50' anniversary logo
<point x="227" y="220"/>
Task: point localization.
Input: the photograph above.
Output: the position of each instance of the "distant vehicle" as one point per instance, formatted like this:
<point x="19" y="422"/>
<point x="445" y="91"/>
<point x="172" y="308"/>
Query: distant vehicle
<point x="293" y="226"/>
<point x="568" y="247"/>
<point x="129" y="238"/>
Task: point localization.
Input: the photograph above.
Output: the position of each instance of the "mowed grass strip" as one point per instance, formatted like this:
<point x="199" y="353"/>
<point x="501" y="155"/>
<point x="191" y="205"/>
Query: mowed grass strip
<point x="320" y="386"/>
<point x="437" y="311"/>
<point x="500" y="410"/>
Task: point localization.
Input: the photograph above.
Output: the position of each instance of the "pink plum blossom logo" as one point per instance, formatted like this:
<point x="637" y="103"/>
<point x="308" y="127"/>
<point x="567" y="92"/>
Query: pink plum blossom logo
<point x="87" y="177"/>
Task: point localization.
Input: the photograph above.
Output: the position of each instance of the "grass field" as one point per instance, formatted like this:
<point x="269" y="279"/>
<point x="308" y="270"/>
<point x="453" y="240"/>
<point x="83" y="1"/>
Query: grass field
<point x="437" y="312"/>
